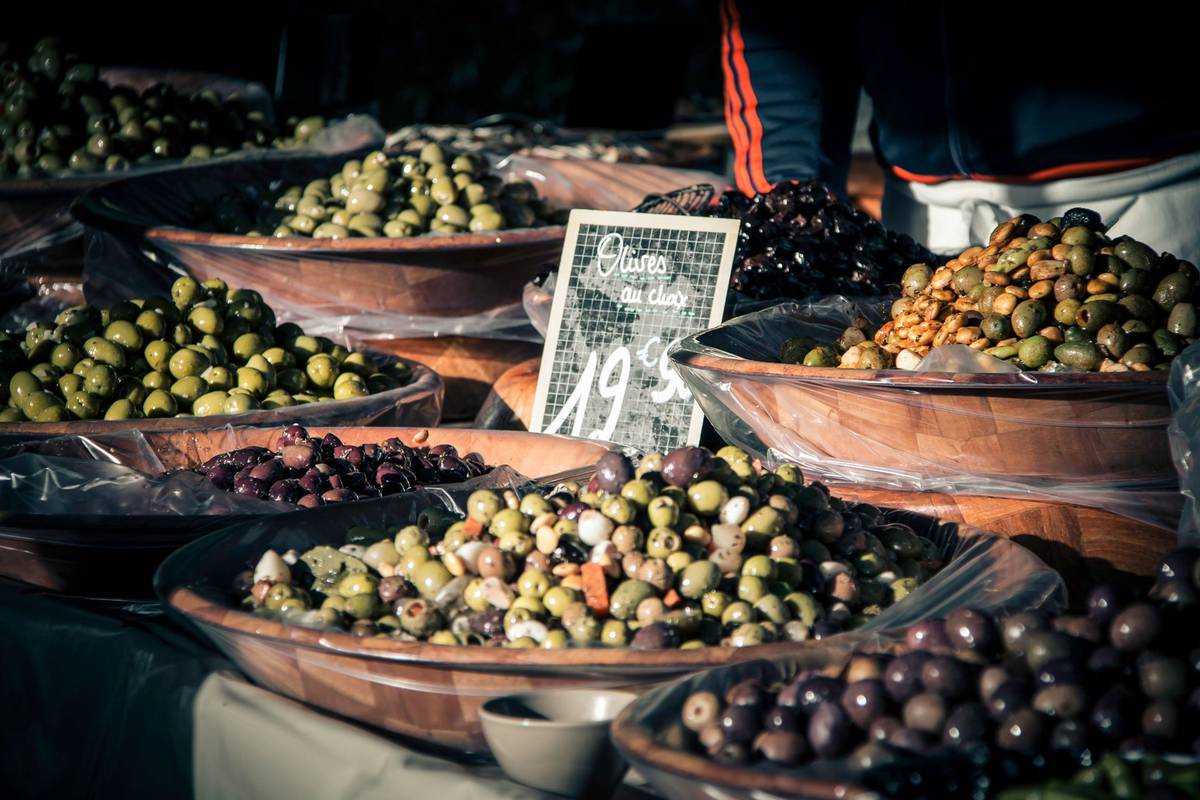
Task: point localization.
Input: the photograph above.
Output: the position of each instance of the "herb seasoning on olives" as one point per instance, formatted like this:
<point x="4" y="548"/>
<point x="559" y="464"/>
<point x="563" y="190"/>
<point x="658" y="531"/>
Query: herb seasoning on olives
<point x="690" y="550"/>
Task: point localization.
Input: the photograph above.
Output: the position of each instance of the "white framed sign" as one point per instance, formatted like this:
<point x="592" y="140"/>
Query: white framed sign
<point x="629" y="287"/>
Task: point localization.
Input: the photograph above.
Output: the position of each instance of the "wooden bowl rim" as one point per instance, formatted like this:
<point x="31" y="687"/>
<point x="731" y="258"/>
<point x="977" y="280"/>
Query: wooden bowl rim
<point x="643" y="747"/>
<point x="425" y="381"/>
<point x="927" y="381"/>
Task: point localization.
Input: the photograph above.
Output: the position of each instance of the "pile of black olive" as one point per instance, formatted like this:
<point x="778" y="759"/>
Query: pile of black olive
<point x="311" y="471"/>
<point x="799" y="240"/>
<point x="1051" y="691"/>
<point x="59" y="117"/>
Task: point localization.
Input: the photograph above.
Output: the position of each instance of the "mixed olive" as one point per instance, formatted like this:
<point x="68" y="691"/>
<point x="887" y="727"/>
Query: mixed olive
<point x="387" y="195"/>
<point x="59" y="117"/>
<point x="799" y="240"/>
<point x="206" y="350"/>
<point x="687" y="550"/>
<point x="311" y="471"/>
<point x="1052" y="295"/>
<point x="1122" y="676"/>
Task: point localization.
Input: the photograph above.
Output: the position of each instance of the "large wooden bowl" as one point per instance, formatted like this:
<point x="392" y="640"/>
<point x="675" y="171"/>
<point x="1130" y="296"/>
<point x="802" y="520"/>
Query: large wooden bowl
<point x="417" y="403"/>
<point x="116" y="555"/>
<point x="433" y="693"/>
<point x="1031" y="429"/>
<point x="428" y="276"/>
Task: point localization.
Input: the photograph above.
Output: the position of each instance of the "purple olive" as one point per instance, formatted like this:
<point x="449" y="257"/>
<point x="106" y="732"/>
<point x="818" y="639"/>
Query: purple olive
<point x="613" y="471"/>
<point x="350" y="453"/>
<point x="967" y="724"/>
<point x="968" y="629"/>
<point x="453" y="469"/>
<point x="310" y="501"/>
<point x="338" y="496"/>
<point x="684" y="466"/>
<point x="222" y="476"/>
<point x="293" y="433"/>
<point x="830" y="731"/>
<point x="655" y="636"/>
<point x="287" y="490"/>
<point x="250" y="487"/>
<point x="268" y="471"/>
<point x="929" y="635"/>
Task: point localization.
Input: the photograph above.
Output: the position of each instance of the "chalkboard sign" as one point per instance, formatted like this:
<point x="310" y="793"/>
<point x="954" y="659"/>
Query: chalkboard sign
<point x="629" y="287"/>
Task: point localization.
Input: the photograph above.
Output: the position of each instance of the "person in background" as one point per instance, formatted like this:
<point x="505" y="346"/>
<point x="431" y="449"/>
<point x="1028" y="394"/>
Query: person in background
<point x="977" y="116"/>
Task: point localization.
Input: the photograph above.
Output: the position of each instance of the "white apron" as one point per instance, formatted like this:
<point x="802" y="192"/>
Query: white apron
<point x="1158" y="205"/>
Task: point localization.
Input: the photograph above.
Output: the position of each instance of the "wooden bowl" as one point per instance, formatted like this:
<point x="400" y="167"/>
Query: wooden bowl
<point x="444" y="687"/>
<point x="433" y="275"/>
<point x="509" y="405"/>
<point x="469" y="365"/>
<point x="417" y="403"/>
<point x="1057" y="428"/>
<point x="650" y="736"/>
<point x="1087" y="546"/>
<point x="116" y="555"/>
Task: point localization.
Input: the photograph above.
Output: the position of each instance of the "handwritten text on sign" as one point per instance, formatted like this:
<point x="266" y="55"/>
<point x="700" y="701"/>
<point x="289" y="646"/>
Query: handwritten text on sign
<point x="629" y="287"/>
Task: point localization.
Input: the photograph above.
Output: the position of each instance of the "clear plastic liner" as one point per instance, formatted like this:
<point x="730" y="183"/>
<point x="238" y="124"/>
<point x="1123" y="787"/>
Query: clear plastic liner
<point x="1184" y="433"/>
<point x="1091" y="439"/>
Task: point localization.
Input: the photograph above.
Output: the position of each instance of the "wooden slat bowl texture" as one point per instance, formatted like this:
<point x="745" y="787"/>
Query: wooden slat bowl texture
<point x="433" y="693"/>
<point x="469" y="365"/>
<point x="1055" y="428"/>
<point x="115" y="556"/>
<point x="649" y="734"/>
<point x="418" y="403"/>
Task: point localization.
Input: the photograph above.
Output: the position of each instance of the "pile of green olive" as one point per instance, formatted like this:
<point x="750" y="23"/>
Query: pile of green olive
<point x="59" y="117"/>
<point x="205" y="351"/>
<point x="381" y="195"/>
<point x="686" y="551"/>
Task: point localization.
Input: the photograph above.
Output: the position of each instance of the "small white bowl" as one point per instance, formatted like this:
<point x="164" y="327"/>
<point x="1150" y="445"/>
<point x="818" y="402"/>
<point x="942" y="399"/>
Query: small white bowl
<point x="557" y="740"/>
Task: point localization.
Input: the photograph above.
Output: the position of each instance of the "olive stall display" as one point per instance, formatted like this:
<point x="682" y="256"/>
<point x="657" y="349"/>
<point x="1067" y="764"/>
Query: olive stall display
<point x="206" y="350"/>
<point x="312" y="471"/>
<point x="685" y="551"/>
<point x="1054" y="295"/>
<point x="395" y="196"/>
<point x="799" y="241"/>
<point x="1056" y="692"/>
<point x="60" y="118"/>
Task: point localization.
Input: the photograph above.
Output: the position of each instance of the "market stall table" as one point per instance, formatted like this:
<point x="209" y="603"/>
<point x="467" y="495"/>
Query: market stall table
<point x="112" y="700"/>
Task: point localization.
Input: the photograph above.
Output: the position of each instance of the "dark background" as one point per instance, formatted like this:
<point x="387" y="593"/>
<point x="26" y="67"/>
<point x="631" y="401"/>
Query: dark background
<point x="594" y="63"/>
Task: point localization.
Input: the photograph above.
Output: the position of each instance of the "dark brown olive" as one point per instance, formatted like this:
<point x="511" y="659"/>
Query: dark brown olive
<point x="925" y="712"/>
<point x="967" y="724"/>
<point x="781" y="718"/>
<point x="684" y="466"/>
<point x="968" y="629"/>
<point x="781" y="747"/>
<point x="947" y="676"/>
<point x="864" y="700"/>
<point x="830" y="731"/>
<point x="927" y="635"/>
<point x="1104" y="602"/>
<point x="700" y="710"/>
<point x="740" y="723"/>
<point x="1009" y="697"/>
<point x="902" y="678"/>
<point x="1021" y="731"/>
<point x="613" y="471"/>
<point x="1135" y="628"/>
